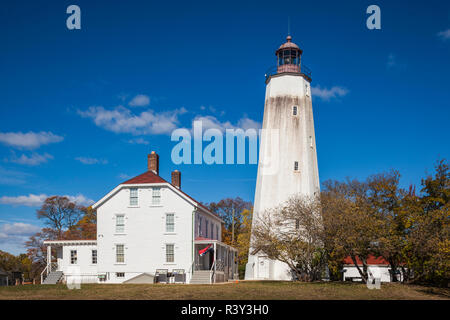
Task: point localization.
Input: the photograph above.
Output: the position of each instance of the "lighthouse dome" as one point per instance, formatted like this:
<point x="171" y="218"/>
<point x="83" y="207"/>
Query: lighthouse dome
<point x="288" y="44"/>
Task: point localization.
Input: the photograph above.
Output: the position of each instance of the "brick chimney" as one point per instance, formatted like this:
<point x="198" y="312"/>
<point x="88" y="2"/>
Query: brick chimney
<point x="153" y="162"/>
<point x="176" y="179"/>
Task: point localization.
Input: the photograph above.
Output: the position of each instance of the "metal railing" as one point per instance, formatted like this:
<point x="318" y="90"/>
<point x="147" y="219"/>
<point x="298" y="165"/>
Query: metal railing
<point x="304" y="70"/>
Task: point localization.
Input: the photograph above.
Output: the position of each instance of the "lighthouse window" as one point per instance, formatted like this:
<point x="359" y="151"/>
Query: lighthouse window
<point x="294" y="110"/>
<point x="295" y="165"/>
<point x="287" y="57"/>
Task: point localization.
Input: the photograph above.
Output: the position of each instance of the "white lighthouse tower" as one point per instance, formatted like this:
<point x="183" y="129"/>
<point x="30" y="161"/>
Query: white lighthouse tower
<point x="287" y="158"/>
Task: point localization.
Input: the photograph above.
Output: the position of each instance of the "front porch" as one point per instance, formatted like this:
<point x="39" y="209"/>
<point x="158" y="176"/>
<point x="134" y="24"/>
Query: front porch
<point x="63" y="263"/>
<point x="214" y="262"/>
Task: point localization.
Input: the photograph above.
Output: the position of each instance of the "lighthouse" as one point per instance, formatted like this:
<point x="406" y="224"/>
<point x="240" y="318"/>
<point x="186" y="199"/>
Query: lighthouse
<point x="287" y="158"/>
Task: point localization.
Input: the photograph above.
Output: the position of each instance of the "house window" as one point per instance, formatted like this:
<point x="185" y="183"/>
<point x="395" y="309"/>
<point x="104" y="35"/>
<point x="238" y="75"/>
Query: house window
<point x="94" y="256"/>
<point x="217" y="232"/>
<point x="294" y="110"/>
<point x="120" y="274"/>
<point x="212" y="231"/>
<point x="200" y="233"/>
<point x="307" y="90"/>
<point x="207" y="225"/>
<point x="120" y="253"/>
<point x="156" y="196"/>
<point x="170" y="253"/>
<point x="133" y="197"/>
<point x="170" y="222"/>
<point x="295" y="165"/>
<point x="120" y="223"/>
<point x="73" y="257"/>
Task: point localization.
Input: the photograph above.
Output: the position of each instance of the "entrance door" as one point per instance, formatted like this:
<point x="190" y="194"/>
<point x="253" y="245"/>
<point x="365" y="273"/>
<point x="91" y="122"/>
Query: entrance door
<point x="263" y="268"/>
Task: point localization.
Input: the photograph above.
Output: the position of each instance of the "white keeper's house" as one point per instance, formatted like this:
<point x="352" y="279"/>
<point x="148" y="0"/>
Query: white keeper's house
<point x="148" y="230"/>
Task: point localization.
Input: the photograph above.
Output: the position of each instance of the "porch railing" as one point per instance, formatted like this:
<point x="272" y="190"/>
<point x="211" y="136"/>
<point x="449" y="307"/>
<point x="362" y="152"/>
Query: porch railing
<point x="48" y="268"/>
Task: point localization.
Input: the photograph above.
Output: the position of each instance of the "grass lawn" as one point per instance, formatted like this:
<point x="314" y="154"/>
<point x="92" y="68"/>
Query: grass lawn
<point x="234" y="291"/>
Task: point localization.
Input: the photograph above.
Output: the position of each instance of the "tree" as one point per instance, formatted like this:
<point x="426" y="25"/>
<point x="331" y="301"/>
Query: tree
<point x="350" y="224"/>
<point x="59" y="213"/>
<point x="37" y="251"/>
<point x="292" y="233"/>
<point x="20" y="263"/>
<point x="85" y="228"/>
<point x="230" y="211"/>
<point x="428" y="248"/>
<point x="242" y="243"/>
<point x="386" y="199"/>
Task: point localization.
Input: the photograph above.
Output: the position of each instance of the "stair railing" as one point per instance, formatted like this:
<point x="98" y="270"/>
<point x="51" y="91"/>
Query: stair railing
<point x="42" y="273"/>
<point x="48" y="268"/>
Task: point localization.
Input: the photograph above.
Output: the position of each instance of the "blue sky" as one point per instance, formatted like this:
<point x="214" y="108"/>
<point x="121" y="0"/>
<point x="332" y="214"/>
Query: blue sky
<point x="380" y="97"/>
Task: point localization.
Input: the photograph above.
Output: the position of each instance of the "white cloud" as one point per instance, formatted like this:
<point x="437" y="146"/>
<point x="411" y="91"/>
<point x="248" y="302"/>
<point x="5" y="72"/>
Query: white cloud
<point x="444" y="35"/>
<point x="81" y="200"/>
<point x="247" y="123"/>
<point x="13" y="236"/>
<point x="138" y="141"/>
<point x="12" y="177"/>
<point x="33" y="160"/>
<point x="85" y="160"/>
<point x="34" y="200"/>
<point x="211" y="122"/>
<point x="244" y="123"/>
<point x="328" y="94"/>
<point x="30" y="140"/>
<point x="19" y="228"/>
<point x="141" y="100"/>
<point x="122" y="120"/>
<point x="124" y="176"/>
<point x="213" y="110"/>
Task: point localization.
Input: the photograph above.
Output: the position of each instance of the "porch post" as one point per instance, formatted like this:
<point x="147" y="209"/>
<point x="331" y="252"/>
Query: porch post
<point x="215" y="261"/>
<point x="49" y="258"/>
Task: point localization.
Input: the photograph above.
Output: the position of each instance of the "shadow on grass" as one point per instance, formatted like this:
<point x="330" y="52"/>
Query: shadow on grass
<point x="435" y="291"/>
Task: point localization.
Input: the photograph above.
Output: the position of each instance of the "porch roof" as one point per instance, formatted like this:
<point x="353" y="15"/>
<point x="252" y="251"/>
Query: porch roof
<point x="200" y="240"/>
<point x="58" y="243"/>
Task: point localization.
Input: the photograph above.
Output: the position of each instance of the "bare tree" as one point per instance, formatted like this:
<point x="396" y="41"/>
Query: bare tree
<point x="292" y="233"/>
<point x="59" y="214"/>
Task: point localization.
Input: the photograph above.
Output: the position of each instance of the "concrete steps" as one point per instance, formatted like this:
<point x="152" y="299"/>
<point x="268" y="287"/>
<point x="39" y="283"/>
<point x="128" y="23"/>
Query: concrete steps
<point x="201" y="277"/>
<point x="53" y="278"/>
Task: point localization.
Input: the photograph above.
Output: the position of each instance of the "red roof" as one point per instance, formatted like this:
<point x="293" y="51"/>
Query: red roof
<point x="371" y="260"/>
<point x="146" y="177"/>
<point x="150" y="177"/>
<point x="289" y="44"/>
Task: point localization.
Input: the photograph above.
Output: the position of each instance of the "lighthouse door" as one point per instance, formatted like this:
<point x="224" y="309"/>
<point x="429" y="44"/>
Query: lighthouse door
<point x="263" y="268"/>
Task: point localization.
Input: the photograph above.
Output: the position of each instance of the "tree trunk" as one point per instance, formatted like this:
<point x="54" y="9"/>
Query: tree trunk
<point x="362" y="273"/>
